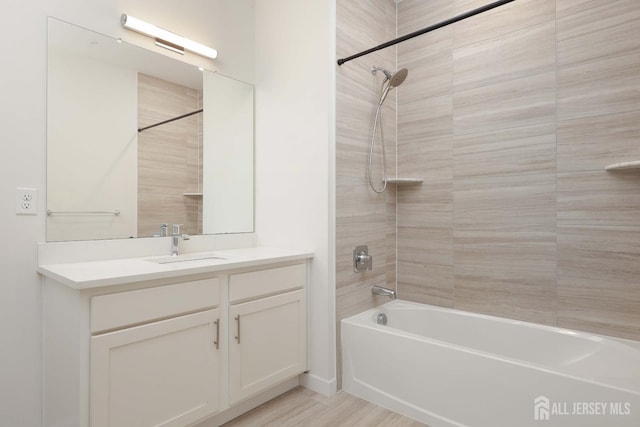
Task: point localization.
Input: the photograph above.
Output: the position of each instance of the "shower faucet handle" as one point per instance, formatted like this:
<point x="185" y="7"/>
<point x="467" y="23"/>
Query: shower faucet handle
<point x="364" y="258"/>
<point x="362" y="261"/>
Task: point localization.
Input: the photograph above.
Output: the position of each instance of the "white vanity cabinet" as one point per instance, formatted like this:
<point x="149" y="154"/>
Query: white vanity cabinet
<point x="162" y="373"/>
<point x="171" y="351"/>
<point x="268" y="333"/>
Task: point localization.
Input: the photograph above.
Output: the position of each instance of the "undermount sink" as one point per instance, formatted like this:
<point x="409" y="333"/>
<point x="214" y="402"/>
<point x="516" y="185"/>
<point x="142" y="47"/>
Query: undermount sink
<point x="171" y="259"/>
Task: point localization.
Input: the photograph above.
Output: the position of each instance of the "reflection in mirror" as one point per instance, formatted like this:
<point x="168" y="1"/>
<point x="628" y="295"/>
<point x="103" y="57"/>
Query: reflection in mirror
<point x="169" y="156"/>
<point x="107" y="180"/>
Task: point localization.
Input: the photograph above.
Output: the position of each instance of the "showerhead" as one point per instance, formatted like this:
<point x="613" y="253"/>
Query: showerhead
<point x="391" y="80"/>
<point x="398" y="78"/>
<point x="395" y="79"/>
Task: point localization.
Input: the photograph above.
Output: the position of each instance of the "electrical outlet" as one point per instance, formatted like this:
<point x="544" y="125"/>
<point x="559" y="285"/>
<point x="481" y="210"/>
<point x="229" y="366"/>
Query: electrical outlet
<point x="26" y="201"/>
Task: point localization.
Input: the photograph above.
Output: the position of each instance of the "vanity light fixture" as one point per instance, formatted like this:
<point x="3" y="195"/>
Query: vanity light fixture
<point x="167" y="45"/>
<point x="165" y="38"/>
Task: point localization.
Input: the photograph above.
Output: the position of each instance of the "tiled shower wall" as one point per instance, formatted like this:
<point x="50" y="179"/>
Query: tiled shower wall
<point x="510" y="117"/>
<point x="169" y="157"/>
<point x="362" y="216"/>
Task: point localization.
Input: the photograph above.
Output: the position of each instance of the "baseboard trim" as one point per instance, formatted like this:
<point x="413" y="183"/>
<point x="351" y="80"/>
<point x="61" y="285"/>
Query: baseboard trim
<point x="319" y="385"/>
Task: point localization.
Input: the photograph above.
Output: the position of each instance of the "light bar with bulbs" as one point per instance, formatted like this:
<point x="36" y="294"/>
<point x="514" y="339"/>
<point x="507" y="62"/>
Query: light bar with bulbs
<point x="165" y="38"/>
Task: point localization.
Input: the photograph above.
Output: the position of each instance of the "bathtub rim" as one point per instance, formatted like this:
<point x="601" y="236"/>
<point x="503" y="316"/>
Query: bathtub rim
<point x="365" y="319"/>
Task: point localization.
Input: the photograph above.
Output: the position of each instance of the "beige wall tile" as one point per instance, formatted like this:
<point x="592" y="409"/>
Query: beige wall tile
<point x="516" y="103"/>
<point x="528" y="150"/>
<point x="362" y="216"/>
<point x="599" y="198"/>
<point x="501" y="200"/>
<point x="368" y="22"/>
<point x="348" y="44"/>
<point x="504" y="236"/>
<point x="599" y="279"/>
<point x="359" y="92"/>
<point x="601" y="253"/>
<point x="601" y="87"/>
<point x="427" y="57"/>
<point x="428" y="210"/>
<point x="604" y="314"/>
<point x="356" y="297"/>
<point x="414" y="15"/>
<point x="591" y="143"/>
<point x="426" y="245"/>
<point x="383" y="254"/>
<point x="479" y="294"/>
<point x="508" y="251"/>
<point x="502" y="20"/>
<point x="429" y="159"/>
<point x="618" y="318"/>
<point x="568" y="7"/>
<point x="357" y="104"/>
<point x="507" y="271"/>
<point x="518" y="54"/>
<point x="355" y="198"/>
<point x="609" y="30"/>
<point x="430" y="64"/>
<point x="426" y="284"/>
<point x="427" y="118"/>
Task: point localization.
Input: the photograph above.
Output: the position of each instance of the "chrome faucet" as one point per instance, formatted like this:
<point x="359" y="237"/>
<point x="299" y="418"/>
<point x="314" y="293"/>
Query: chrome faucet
<point x="385" y="292"/>
<point x="175" y="239"/>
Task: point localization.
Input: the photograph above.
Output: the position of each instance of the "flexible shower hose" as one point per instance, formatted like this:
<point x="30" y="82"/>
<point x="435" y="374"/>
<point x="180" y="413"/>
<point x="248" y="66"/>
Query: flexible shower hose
<point x="378" y="123"/>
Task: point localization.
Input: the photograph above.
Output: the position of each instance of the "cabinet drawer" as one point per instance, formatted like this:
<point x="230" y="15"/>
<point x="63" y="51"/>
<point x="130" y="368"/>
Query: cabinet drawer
<point x="255" y="284"/>
<point x="144" y="305"/>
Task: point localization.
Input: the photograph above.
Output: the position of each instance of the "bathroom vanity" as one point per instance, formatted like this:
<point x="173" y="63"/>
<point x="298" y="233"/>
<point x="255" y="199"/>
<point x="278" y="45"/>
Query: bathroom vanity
<point x="132" y="335"/>
<point x="170" y="341"/>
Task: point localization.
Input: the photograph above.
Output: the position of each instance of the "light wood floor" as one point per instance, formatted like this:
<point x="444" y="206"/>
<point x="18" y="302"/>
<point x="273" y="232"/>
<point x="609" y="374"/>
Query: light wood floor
<point x="303" y="407"/>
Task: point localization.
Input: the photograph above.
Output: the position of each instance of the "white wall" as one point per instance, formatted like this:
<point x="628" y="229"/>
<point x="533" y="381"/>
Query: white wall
<point x="226" y="25"/>
<point x="295" y="153"/>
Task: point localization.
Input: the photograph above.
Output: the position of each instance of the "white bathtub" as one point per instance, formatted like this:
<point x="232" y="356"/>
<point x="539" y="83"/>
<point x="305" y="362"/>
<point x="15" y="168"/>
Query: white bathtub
<point x="447" y="367"/>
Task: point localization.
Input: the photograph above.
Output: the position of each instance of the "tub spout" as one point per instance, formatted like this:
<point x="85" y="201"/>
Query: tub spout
<point x="379" y="290"/>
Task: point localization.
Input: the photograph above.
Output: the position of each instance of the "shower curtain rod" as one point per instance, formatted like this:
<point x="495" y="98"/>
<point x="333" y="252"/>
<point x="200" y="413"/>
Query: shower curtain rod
<point x="427" y="29"/>
<point x="171" y="120"/>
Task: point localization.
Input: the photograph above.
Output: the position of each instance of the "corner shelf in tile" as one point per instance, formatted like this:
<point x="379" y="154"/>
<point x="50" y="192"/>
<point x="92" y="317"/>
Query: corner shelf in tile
<point x="405" y="181"/>
<point x="623" y="166"/>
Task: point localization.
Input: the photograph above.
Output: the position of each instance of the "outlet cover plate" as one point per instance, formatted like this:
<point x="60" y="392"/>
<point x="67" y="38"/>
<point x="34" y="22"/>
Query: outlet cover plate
<point x="26" y="201"/>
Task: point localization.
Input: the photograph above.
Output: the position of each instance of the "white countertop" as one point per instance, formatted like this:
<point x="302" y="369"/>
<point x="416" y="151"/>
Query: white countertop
<point x="94" y="274"/>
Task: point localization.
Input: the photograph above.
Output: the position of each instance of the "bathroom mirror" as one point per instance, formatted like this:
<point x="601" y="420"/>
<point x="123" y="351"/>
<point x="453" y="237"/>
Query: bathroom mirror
<point x="105" y="178"/>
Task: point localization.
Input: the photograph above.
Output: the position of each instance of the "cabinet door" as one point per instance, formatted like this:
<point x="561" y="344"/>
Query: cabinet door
<point x="268" y="343"/>
<point x="161" y="374"/>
